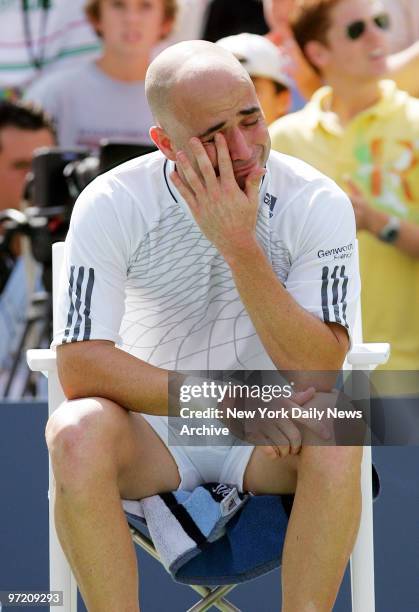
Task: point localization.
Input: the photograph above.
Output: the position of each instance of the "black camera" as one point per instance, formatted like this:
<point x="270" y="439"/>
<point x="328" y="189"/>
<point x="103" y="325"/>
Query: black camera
<point x="57" y="178"/>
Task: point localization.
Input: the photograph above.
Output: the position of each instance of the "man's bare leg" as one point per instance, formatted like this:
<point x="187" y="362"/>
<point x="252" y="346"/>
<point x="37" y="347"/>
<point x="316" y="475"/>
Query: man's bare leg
<point x="101" y="453"/>
<point x="324" y="520"/>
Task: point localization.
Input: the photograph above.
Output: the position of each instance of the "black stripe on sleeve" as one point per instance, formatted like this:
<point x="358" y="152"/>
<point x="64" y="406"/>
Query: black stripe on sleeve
<point x="335" y="294"/>
<point x="344" y="292"/>
<point x="71" y="309"/>
<point x="79" y="285"/>
<point x="87" y="301"/>
<point x="325" y="282"/>
<point x="182" y="515"/>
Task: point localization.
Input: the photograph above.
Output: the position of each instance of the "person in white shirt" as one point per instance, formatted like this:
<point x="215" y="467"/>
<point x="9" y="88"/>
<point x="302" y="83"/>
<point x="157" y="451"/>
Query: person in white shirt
<point x="105" y="99"/>
<point x="210" y="253"/>
<point x="41" y="37"/>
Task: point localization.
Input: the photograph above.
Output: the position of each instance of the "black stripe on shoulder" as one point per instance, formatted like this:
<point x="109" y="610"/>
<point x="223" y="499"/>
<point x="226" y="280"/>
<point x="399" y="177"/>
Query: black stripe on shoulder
<point x="325" y="304"/>
<point x="344" y="292"/>
<point x="335" y="294"/>
<point x="79" y="285"/>
<point x="71" y="309"/>
<point x="87" y="305"/>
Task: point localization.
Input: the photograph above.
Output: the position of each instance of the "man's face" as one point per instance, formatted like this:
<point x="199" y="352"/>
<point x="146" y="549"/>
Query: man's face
<point x="360" y="57"/>
<point x="131" y="27"/>
<point x="274" y="104"/>
<point x="16" y="150"/>
<point x="227" y="104"/>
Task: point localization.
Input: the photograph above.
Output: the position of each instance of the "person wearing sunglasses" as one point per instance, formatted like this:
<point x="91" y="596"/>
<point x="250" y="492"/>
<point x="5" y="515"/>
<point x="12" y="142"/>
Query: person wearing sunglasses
<point x="403" y="63"/>
<point x="363" y="132"/>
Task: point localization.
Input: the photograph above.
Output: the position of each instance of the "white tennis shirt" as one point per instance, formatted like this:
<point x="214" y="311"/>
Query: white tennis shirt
<point x="139" y="272"/>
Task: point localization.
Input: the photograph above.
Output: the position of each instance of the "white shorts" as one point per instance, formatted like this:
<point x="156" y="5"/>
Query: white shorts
<point x="201" y="464"/>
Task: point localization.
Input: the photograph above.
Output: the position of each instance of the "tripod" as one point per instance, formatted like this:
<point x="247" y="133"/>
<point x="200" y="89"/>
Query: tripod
<point x="20" y="381"/>
<point x="30" y="320"/>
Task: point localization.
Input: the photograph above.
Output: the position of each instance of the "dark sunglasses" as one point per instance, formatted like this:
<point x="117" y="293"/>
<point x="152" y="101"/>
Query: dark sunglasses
<point x="357" y="28"/>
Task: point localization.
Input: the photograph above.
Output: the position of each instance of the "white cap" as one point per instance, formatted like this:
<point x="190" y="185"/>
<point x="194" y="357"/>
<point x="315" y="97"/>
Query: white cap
<point x="258" y="55"/>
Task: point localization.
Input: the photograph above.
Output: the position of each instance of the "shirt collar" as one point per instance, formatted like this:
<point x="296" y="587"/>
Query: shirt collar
<point x="318" y="114"/>
<point x="169" y="166"/>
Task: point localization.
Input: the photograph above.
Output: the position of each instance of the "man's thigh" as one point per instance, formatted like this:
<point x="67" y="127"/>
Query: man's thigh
<point x="97" y="436"/>
<point x="149" y="466"/>
<point x="265" y="475"/>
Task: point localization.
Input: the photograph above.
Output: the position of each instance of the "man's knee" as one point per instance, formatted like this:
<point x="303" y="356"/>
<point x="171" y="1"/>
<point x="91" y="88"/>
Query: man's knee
<point x="82" y="436"/>
<point x="335" y="465"/>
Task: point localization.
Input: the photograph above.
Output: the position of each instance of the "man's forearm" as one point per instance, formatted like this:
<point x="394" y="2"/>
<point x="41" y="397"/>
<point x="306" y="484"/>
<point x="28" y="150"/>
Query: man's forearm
<point x="293" y="338"/>
<point x="408" y="238"/>
<point x="99" y="369"/>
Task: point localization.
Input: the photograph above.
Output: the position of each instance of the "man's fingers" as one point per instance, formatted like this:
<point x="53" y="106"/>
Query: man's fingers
<point x="204" y="163"/>
<point x="315" y="426"/>
<point x="271" y="451"/>
<point x="282" y="434"/>
<point x="194" y="182"/>
<point x="184" y="191"/>
<point x="225" y="165"/>
<point x="288" y="432"/>
<point x="302" y="397"/>
<point x="252" y="185"/>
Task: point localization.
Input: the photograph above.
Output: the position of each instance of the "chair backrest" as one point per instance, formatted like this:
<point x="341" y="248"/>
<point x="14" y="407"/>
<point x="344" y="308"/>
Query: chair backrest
<point x="57" y="263"/>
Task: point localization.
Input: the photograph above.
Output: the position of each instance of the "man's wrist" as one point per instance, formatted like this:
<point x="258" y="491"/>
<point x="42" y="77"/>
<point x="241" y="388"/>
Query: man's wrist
<point x="244" y="254"/>
<point x="390" y="232"/>
<point x="376" y="221"/>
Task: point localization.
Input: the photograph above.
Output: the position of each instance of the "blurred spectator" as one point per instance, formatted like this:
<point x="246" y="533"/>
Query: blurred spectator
<point x="22" y="130"/>
<point x="305" y="79"/>
<point x="105" y="99"/>
<point x="233" y="17"/>
<point x="404" y="15"/>
<point x="39" y="36"/>
<point x="189" y="24"/>
<point x="262" y="60"/>
<point x="403" y="67"/>
<point x="364" y="133"/>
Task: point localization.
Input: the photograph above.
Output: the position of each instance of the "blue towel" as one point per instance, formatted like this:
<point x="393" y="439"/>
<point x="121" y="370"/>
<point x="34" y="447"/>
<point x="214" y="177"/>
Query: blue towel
<point x="239" y="537"/>
<point x="215" y="535"/>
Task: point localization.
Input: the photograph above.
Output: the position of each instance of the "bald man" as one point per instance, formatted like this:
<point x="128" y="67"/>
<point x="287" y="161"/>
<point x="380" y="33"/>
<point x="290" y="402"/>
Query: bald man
<point x="210" y="253"/>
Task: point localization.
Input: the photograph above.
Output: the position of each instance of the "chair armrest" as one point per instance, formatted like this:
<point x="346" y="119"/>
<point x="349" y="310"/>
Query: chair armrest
<point x="41" y="360"/>
<point x="369" y="354"/>
<point x="366" y="354"/>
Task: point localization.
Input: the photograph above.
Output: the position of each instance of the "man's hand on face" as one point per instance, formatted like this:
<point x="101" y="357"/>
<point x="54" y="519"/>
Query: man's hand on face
<point x="225" y="213"/>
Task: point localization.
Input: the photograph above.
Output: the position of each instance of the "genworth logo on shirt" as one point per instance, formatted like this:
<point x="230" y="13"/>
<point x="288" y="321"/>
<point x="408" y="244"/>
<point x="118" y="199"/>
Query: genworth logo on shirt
<point x="343" y="252"/>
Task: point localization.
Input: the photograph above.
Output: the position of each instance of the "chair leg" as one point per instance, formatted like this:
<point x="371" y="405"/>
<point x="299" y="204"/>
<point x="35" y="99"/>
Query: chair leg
<point x="212" y="598"/>
<point x="221" y="604"/>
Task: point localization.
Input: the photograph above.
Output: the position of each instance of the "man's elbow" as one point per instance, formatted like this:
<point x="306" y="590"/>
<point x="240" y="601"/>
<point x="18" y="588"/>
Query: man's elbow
<point x="76" y="365"/>
<point x="339" y="347"/>
<point x="69" y="366"/>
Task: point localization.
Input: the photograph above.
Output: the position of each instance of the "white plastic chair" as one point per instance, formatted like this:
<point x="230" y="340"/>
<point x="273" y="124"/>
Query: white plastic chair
<point x="361" y="357"/>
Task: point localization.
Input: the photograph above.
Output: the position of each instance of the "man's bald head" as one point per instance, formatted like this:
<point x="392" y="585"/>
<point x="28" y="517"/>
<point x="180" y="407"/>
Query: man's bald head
<point x="179" y="69"/>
